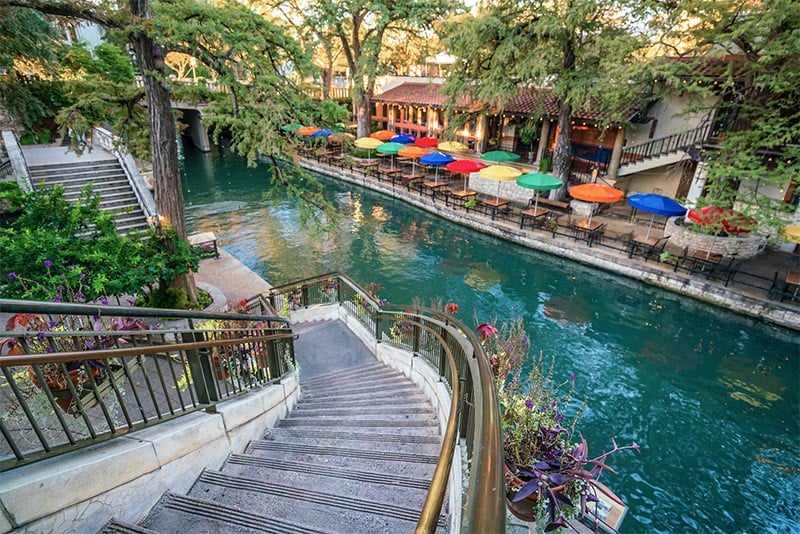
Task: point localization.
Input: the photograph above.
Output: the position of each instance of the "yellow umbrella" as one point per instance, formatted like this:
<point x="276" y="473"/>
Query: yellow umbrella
<point x="499" y="173"/>
<point x="368" y="143"/>
<point x="453" y="146"/>
<point x="791" y="233"/>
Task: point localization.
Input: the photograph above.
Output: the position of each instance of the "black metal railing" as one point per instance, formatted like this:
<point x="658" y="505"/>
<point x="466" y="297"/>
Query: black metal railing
<point x="454" y="350"/>
<point x="666" y="145"/>
<point x="76" y="374"/>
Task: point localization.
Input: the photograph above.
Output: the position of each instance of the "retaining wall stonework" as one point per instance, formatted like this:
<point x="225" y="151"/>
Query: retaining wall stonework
<point x="744" y="247"/>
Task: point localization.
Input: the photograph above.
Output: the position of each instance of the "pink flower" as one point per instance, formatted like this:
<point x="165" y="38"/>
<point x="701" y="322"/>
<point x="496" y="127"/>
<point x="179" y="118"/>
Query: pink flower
<point x="486" y="330"/>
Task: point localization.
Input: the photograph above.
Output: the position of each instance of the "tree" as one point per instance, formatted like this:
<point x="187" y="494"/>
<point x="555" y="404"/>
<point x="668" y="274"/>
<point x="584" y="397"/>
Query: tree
<point x="254" y="61"/>
<point x="581" y="50"/>
<point x="746" y="53"/>
<point x="361" y="27"/>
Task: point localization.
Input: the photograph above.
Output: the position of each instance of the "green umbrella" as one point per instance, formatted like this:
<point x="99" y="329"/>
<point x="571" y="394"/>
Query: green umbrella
<point x="290" y="127"/>
<point x="538" y="182"/>
<point x="499" y="156"/>
<point x="390" y="148"/>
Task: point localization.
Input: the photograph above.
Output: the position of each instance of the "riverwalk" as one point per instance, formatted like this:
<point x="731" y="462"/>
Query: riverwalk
<point x="752" y="294"/>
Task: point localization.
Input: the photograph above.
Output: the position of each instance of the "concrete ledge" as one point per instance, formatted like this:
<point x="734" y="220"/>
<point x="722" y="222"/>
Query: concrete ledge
<point x="124" y="477"/>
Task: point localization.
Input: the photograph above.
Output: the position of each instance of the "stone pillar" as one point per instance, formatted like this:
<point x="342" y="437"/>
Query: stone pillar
<point x="196" y="130"/>
<point x="698" y="184"/>
<point x="543" y="137"/>
<point x="616" y="154"/>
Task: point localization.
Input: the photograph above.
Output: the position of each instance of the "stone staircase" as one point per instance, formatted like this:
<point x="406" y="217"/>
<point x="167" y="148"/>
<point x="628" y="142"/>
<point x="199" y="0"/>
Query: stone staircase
<point x="108" y="180"/>
<point x="356" y="454"/>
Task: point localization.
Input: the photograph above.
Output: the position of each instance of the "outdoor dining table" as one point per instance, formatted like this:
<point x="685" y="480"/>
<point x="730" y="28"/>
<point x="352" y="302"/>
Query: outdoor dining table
<point x="705" y="260"/>
<point x="535" y="214"/>
<point x="389" y="173"/>
<point x="433" y="187"/>
<point x="588" y="230"/>
<point x="460" y="197"/>
<point x="495" y="204"/>
<point x="793" y="279"/>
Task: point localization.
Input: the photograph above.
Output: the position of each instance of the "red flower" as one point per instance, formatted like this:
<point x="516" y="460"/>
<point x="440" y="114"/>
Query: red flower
<point x="486" y="330"/>
<point x="451" y="308"/>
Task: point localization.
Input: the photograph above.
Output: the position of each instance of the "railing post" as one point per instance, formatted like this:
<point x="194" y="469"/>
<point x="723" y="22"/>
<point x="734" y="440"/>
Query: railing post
<point x="378" y="316"/>
<point x="201" y="369"/>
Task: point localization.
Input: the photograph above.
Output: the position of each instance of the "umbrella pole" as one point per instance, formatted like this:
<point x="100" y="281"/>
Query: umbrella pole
<point x="465" y="182"/>
<point x="536" y="203"/>
<point x="436" y="176"/>
<point x="652" y="218"/>
<point x="497" y="196"/>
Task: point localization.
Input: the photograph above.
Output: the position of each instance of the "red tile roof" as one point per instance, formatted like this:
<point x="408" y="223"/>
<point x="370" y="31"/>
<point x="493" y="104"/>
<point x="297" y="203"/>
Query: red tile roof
<point x="527" y="101"/>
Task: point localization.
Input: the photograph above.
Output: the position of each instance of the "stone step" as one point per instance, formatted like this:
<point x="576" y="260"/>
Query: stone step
<point x="429" y="445"/>
<point x="68" y="176"/>
<point x="389" y="462"/>
<point x="177" y="513"/>
<point x="406" y="491"/>
<point x="398" y="389"/>
<point x="386" y="400"/>
<point x="375" y="382"/>
<point x="354" y="374"/>
<point x="317" y="509"/>
<point x="116" y="526"/>
<point x="400" y="407"/>
<point x="75" y="165"/>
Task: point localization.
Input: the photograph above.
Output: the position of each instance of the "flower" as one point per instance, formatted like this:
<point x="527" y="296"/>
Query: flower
<point x="451" y="308"/>
<point x="546" y="458"/>
<point x="48" y="263"/>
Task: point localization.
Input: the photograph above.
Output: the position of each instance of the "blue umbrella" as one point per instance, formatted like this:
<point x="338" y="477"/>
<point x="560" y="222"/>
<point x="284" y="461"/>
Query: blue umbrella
<point x="321" y="133"/>
<point x="403" y="139"/>
<point x="436" y="159"/>
<point x="657" y="205"/>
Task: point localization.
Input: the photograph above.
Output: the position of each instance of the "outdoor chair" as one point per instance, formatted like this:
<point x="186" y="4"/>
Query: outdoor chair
<point x="645" y="250"/>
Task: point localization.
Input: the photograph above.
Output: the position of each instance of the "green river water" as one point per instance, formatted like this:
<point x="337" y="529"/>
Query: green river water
<point x="712" y="397"/>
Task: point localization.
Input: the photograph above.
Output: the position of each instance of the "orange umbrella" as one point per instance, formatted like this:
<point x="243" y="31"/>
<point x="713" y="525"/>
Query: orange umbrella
<point x="307" y="130"/>
<point x="383" y="135"/>
<point x="414" y="152"/>
<point x="601" y="193"/>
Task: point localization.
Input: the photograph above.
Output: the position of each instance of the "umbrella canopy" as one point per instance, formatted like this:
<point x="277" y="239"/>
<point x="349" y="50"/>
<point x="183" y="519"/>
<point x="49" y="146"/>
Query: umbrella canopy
<point x="604" y="194"/>
<point x="499" y="156"/>
<point x="307" y="130"/>
<point x="718" y="219"/>
<point x="427" y="142"/>
<point x="500" y="173"/>
<point x="657" y="205"/>
<point x="453" y="146"/>
<point x="390" y="148"/>
<point x="792" y="233"/>
<point x="367" y="143"/>
<point x="383" y="135"/>
<point x="539" y="181"/>
<point x="414" y="152"/>
<point x="404" y="139"/>
<point x="465" y="166"/>
<point x="321" y="133"/>
<point x="341" y="137"/>
<point x="436" y="159"/>
<point x="291" y="127"/>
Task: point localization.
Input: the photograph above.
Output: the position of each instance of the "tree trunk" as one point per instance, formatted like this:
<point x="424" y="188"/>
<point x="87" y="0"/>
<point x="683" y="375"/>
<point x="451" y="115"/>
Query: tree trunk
<point x="163" y="141"/>
<point x="563" y="151"/>
<point x="361" y="105"/>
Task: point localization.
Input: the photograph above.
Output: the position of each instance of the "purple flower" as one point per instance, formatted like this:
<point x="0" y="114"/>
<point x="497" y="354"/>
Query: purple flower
<point x="57" y="298"/>
<point x="82" y="276"/>
<point x="79" y="295"/>
<point x="529" y="404"/>
<point x="48" y="263"/>
<point x="41" y="336"/>
<point x="12" y="275"/>
<point x="572" y="377"/>
<point x="558" y="417"/>
<point x="104" y="301"/>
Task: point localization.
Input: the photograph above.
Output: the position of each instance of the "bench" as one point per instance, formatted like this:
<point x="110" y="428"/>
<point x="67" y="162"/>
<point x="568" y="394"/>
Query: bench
<point x="206" y="241"/>
<point x="557" y="204"/>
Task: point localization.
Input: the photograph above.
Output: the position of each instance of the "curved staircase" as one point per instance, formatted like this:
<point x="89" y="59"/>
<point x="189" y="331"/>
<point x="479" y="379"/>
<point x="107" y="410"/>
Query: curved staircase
<point x="355" y="455"/>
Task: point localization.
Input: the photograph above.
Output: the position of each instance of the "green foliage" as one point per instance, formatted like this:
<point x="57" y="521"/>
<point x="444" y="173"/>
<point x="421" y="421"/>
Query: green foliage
<point x="62" y="251"/>
<point x="11" y="196"/>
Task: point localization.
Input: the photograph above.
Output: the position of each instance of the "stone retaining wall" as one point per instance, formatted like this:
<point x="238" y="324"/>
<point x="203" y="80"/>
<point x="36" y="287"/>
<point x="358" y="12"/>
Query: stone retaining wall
<point x="744" y="246"/>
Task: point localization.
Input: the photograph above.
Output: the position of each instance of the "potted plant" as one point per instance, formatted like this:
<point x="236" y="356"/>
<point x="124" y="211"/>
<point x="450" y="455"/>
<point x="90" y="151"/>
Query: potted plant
<point x="550" y="475"/>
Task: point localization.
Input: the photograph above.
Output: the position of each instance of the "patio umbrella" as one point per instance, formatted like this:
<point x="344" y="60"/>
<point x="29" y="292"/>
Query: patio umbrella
<point x="500" y="173"/>
<point x="321" y="133"/>
<point x="291" y="127"/>
<point x="382" y="135"/>
<point x="657" y="205"/>
<point x="465" y="167"/>
<point x="791" y="233"/>
<point x="436" y="159"/>
<point x="600" y="193"/>
<point x="390" y="148"/>
<point x="305" y="131"/>
<point x="427" y="142"/>
<point x="367" y="143"/>
<point x="717" y="220"/>
<point x="403" y="139"/>
<point x="538" y="181"/>
<point x="499" y="156"/>
<point x="412" y="152"/>
<point x="453" y="146"/>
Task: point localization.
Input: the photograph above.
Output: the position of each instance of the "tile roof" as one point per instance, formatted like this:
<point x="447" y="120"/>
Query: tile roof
<point x="527" y="101"/>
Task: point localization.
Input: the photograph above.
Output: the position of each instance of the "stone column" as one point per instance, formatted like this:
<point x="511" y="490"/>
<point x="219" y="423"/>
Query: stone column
<point x="616" y="154"/>
<point x="543" y="136"/>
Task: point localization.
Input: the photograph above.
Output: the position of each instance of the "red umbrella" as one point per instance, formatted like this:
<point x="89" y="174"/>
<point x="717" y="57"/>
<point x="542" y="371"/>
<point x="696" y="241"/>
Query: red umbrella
<point x="465" y="166"/>
<point x="718" y="219"/>
<point x="427" y="142"/>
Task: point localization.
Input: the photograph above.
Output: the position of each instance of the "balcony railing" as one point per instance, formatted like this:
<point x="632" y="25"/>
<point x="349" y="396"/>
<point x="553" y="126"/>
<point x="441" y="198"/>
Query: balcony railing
<point x="75" y="374"/>
<point x="666" y="145"/>
<point x="453" y="349"/>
